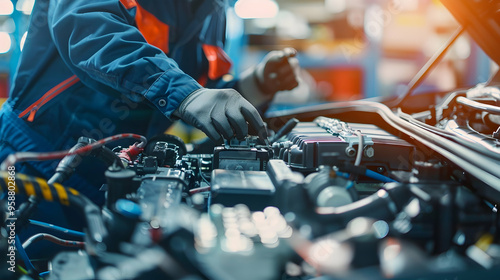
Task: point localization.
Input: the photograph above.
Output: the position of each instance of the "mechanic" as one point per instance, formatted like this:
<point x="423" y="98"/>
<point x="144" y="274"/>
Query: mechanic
<point x="96" y="68"/>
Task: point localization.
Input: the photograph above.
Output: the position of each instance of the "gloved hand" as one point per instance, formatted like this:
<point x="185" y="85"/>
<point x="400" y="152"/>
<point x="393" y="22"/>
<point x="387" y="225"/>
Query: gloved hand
<point x="276" y="71"/>
<point x="221" y="112"/>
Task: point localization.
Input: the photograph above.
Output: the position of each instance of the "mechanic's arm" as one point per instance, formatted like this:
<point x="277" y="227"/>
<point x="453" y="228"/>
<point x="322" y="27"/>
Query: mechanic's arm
<point x="99" y="42"/>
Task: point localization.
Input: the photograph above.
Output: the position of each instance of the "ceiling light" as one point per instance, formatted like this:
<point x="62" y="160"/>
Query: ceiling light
<point x="6" y="7"/>
<point x="256" y="9"/>
<point x="5" y="42"/>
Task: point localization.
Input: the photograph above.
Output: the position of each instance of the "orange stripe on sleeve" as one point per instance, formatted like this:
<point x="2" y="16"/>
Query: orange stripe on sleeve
<point x="154" y="31"/>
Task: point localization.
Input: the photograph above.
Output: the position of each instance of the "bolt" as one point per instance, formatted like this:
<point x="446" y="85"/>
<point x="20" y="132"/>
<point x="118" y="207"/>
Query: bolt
<point x="350" y="151"/>
<point x="369" y="152"/>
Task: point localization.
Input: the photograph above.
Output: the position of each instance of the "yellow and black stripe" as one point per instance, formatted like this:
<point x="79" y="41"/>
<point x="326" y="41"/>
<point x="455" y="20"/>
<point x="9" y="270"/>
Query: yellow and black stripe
<point x="27" y="185"/>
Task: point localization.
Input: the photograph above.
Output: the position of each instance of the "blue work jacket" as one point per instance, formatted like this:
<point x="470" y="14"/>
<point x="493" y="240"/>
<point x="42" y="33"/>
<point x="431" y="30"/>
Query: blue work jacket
<point x="96" y="68"/>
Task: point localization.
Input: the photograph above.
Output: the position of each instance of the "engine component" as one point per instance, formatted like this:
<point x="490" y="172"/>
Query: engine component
<point x="160" y="191"/>
<point x="231" y="187"/>
<point x="166" y="154"/>
<point x="242" y="155"/>
<point x="236" y="243"/>
<point x="310" y="143"/>
<point x="119" y="183"/>
<point x="326" y="189"/>
<point x="122" y="222"/>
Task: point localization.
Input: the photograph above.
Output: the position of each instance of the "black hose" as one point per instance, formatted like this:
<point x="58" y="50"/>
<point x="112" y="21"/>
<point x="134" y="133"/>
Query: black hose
<point x="289" y="126"/>
<point x="108" y="157"/>
<point x="382" y="205"/>
<point x="68" y="164"/>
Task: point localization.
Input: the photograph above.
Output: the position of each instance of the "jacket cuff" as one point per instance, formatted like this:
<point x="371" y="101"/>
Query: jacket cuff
<point x="170" y="89"/>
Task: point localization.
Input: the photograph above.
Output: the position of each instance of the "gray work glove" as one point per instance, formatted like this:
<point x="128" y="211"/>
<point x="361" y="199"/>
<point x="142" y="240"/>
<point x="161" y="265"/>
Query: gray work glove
<point x="276" y="72"/>
<point x="221" y="112"/>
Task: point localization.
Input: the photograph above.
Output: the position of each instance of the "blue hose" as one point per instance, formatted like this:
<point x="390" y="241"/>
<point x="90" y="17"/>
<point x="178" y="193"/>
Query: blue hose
<point x="369" y="173"/>
<point x="57" y="228"/>
<point x="378" y="177"/>
<point x="342" y="174"/>
<point x="350" y="184"/>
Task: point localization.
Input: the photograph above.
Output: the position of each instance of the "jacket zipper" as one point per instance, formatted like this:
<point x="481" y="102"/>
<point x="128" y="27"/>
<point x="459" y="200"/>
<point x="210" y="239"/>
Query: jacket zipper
<point x="49" y="95"/>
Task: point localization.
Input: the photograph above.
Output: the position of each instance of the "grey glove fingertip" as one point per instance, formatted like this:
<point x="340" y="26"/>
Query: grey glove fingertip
<point x="211" y="132"/>
<point x="223" y="127"/>
<point x="253" y="117"/>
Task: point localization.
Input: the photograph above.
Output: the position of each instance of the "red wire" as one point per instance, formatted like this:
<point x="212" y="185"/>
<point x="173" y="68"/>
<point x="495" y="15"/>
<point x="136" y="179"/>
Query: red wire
<point x="200" y="189"/>
<point x="32" y="156"/>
